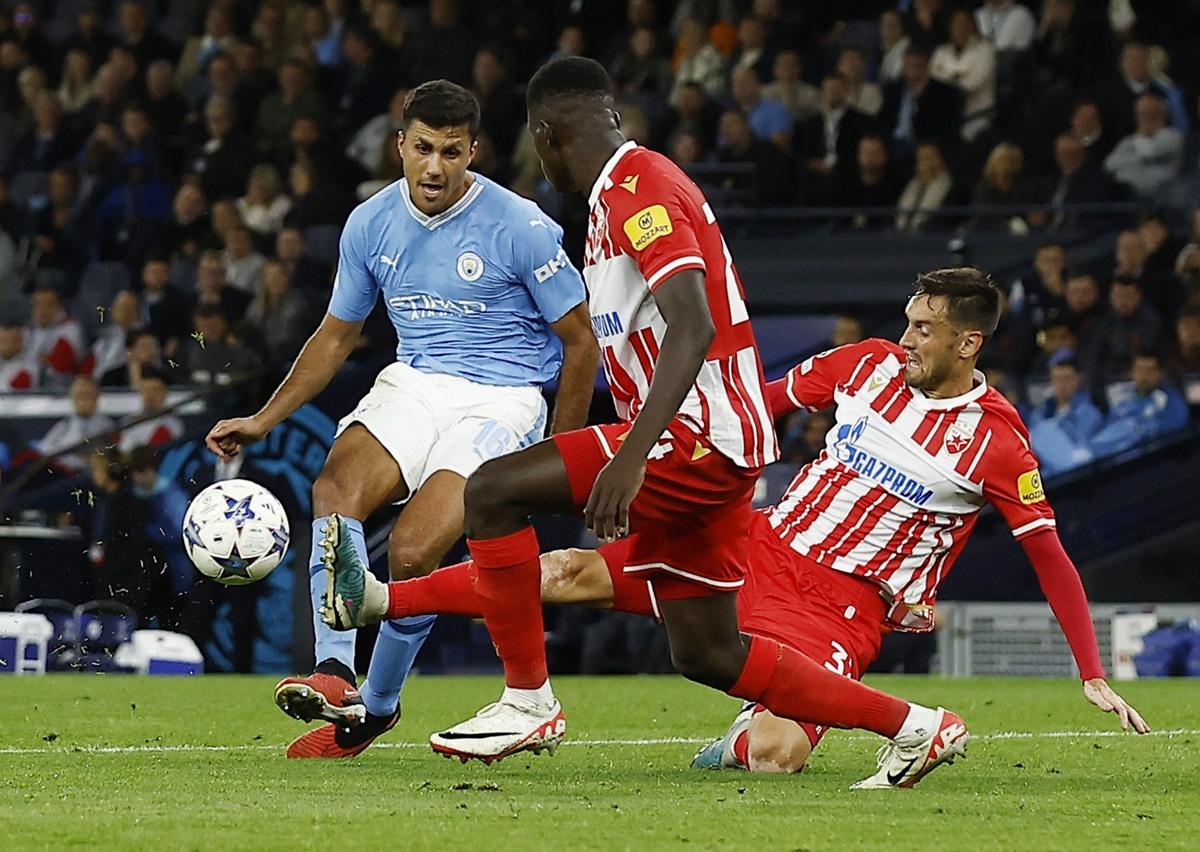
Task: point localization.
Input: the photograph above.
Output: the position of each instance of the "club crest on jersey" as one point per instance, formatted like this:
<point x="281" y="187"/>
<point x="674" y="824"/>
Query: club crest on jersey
<point x="470" y="266"/>
<point x="959" y="437"/>
<point x="646" y="226"/>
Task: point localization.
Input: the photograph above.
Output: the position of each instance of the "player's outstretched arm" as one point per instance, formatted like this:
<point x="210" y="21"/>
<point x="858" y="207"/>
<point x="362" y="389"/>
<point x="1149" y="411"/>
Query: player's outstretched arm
<point x="1064" y="591"/>
<point x="323" y="354"/>
<point x="683" y="303"/>
<point x="577" y="378"/>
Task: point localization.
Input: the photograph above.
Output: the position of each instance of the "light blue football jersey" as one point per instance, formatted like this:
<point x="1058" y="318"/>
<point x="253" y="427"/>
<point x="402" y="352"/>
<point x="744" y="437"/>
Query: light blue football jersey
<point x="471" y="291"/>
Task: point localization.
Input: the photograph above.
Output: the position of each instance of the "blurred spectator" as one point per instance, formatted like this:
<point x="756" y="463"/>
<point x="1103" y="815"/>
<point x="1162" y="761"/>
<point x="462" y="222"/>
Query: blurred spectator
<point x="55" y="340"/>
<point x="108" y="98"/>
<point x="1044" y="290"/>
<point x="1088" y="127"/>
<point x="770" y="182"/>
<point x="264" y="205"/>
<point x="697" y="61"/>
<point x="1187" y="262"/>
<point x="752" y="47"/>
<point x="1150" y="157"/>
<point x="163" y="505"/>
<point x="442" y="49"/>
<point x="223" y="79"/>
<point x="1007" y="25"/>
<point x="138" y="135"/>
<point x="27" y="30"/>
<point x="295" y="99"/>
<point x="315" y="201"/>
<point x="1185" y="353"/>
<point x="271" y="30"/>
<point x="48" y="143"/>
<point x="1078" y="181"/>
<point x="167" y="308"/>
<point x="212" y="356"/>
<point x="1160" y="288"/>
<point x="142" y="351"/>
<point x="84" y="423"/>
<point x="969" y="63"/>
<point x="1155" y="408"/>
<point x="893" y="45"/>
<point x="1130" y="328"/>
<point x="1084" y="311"/>
<point x="243" y="263"/>
<point x="502" y="110"/>
<point x="637" y="71"/>
<point x="1162" y="247"/>
<point x="1069" y="46"/>
<point x="925" y="194"/>
<point x="90" y="35"/>
<point x="1118" y="96"/>
<point x="135" y="33"/>
<point x="803" y="100"/>
<point x="1061" y="427"/>
<point x="216" y="37"/>
<point x="872" y="183"/>
<point x="1054" y="339"/>
<point x="163" y="426"/>
<point x="130" y="213"/>
<point x="768" y="119"/>
<point x="280" y="313"/>
<point x="804" y="444"/>
<point x="367" y="147"/>
<point x="310" y="143"/>
<point x="165" y="107"/>
<point x="61" y="232"/>
<point x="917" y="107"/>
<point x="847" y="329"/>
<point x="213" y="289"/>
<point x="928" y="23"/>
<point x="109" y="348"/>
<point x="223" y="160"/>
<point x="365" y="81"/>
<point x="862" y="94"/>
<point x="693" y="111"/>
<point x="828" y="142"/>
<point x="18" y="367"/>
<point x="1160" y="62"/>
<point x="391" y="26"/>
<point x="307" y="274"/>
<point x="685" y="149"/>
<point x="1002" y="184"/>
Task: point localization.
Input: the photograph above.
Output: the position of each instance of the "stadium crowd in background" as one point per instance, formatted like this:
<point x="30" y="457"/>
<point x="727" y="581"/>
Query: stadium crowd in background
<point x="174" y="173"/>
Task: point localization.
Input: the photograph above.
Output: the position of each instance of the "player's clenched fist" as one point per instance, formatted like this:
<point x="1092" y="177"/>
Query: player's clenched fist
<point x="227" y="438"/>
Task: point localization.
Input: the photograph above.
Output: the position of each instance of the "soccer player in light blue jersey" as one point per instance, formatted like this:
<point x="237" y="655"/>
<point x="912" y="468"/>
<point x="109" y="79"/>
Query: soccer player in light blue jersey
<point x="487" y="308"/>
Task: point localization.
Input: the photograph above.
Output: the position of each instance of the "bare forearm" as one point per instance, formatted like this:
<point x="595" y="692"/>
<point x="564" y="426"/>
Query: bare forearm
<point x="576" y="382"/>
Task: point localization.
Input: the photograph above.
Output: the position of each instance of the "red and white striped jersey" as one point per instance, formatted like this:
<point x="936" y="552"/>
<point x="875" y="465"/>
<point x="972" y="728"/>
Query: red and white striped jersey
<point x="899" y="485"/>
<point x="648" y="221"/>
<point x="18" y="373"/>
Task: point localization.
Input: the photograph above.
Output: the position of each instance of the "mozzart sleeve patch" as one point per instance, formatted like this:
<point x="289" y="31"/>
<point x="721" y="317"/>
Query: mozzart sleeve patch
<point x="1029" y="487"/>
<point x="647" y="225"/>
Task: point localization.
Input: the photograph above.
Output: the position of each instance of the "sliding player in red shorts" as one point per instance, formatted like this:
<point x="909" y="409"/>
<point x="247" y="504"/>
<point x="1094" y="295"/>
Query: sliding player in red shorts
<point x="679" y="471"/>
<point x="865" y="535"/>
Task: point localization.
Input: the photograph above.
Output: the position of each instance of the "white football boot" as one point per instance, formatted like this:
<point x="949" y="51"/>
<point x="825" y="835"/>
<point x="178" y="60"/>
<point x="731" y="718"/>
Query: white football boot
<point x="903" y="764"/>
<point x="501" y="729"/>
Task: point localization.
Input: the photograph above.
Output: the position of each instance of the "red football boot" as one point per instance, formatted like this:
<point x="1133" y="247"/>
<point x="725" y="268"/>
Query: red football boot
<point x="341" y="740"/>
<point x="320" y="696"/>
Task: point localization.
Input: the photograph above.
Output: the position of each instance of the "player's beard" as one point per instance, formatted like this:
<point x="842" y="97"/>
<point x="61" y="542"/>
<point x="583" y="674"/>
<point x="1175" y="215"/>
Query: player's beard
<point x="928" y="375"/>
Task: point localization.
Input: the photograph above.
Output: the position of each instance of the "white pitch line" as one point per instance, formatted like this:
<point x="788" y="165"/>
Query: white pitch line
<point x="153" y="749"/>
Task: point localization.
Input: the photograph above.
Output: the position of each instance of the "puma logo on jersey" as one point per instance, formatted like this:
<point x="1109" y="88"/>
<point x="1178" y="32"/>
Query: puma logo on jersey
<point x="389" y="261"/>
<point x="629" y="184"/>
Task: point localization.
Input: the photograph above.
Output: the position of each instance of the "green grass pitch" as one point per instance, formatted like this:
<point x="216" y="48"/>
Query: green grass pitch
<point x="169" y="764"/>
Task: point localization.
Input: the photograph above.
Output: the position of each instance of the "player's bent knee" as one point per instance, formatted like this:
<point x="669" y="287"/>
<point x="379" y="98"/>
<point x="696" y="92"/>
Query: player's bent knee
<point x="331" y="494"/>
<point x="778" y="747"/>
<point x="408" y="559"/>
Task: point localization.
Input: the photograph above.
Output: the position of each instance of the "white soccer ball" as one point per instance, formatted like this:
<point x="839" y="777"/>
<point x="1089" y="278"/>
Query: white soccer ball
<point x="235" y="532"/>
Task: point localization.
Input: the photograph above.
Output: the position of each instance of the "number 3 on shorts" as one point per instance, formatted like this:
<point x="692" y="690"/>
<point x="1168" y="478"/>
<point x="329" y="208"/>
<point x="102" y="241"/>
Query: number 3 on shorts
<point x="838" y="659"/>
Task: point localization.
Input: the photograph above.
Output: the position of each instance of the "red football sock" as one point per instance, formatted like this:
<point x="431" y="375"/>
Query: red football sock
<point x="447" y="591"/>
<point x="741" y="749"/>
<point x="791" y="685"/>
<point x="509" y="587"/>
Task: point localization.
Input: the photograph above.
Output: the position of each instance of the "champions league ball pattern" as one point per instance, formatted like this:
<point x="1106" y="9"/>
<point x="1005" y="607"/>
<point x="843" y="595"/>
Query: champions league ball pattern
<point x="235" y="532"/>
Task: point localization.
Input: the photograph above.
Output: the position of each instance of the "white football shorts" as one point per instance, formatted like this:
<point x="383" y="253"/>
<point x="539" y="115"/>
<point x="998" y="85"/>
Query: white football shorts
<point x="432" y="421"/>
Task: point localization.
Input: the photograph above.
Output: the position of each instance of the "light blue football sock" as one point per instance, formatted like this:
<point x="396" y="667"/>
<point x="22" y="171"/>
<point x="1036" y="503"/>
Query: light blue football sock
<point x="395" y="651"/>
<point x="331" y="644"/>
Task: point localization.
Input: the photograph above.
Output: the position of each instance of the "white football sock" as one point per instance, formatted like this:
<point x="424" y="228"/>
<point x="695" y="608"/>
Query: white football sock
<point x="918" y="725"/>
<point x="529" y="699"/>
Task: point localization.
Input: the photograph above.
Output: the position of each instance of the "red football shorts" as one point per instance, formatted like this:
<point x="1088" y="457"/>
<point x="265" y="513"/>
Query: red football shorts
<point x="690" y="519"/>
<point x="831" y="617"/>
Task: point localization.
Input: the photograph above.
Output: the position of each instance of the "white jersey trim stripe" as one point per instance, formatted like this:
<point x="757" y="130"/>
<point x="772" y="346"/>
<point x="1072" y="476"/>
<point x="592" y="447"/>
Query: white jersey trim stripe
<point x="693" y="260"/>
<point x="747" y="366"/>
<point x="979" y="455"/>
<point x="1034" y="525"/>
<point x="695" y="578"/>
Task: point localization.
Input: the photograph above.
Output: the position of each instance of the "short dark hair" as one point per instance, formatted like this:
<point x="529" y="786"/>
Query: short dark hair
<point x="155" y="374"/>
<point x="973" y="297"/>
<point x="569" y="77"/>
<point x="206" y="311"/>
<point x="135" y="334"/>
<point x="440" y="103"/>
